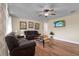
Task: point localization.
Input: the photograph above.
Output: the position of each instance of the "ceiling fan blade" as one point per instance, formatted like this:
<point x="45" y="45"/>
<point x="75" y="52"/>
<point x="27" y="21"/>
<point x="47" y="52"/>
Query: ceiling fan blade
<point x="51" y="9"/>
<point x="53" y="14"/>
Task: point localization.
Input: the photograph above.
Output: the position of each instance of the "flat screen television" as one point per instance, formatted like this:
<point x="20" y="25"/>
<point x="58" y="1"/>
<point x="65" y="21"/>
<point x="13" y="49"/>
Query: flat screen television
<point x="59" y="23"/>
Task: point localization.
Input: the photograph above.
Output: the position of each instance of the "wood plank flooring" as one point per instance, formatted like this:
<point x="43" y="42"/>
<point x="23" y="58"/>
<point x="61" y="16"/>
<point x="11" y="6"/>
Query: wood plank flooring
<point x="57" y="48"/>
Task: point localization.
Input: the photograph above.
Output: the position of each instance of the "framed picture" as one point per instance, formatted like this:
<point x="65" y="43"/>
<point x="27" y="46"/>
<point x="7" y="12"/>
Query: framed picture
<point x="23" y="25"/>
<point x="59" y="23"/>
<point x="30" y="24"/>
<point x="37" y="26"/>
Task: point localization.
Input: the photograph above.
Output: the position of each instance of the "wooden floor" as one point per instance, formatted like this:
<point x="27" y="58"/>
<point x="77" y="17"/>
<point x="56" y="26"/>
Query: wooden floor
<point x="57" y="48"/>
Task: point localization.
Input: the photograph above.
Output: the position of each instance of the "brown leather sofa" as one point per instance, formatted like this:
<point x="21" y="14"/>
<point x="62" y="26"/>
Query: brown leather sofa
<point x="31" y="35"/>
<point x="20" y="47"/>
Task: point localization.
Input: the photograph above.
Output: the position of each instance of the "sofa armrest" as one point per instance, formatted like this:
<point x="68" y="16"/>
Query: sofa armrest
<point x="25" y="48"/>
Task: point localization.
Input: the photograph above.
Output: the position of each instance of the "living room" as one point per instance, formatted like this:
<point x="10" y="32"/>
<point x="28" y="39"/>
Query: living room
<point x="56" y="24"/>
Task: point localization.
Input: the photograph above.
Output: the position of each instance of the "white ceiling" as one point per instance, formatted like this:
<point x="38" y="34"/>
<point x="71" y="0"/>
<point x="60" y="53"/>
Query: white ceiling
<point x="31" y="10"/>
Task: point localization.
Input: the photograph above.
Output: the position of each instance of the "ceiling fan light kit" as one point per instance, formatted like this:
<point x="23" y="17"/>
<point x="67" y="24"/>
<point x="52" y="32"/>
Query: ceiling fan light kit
<point x="47" y="12"/>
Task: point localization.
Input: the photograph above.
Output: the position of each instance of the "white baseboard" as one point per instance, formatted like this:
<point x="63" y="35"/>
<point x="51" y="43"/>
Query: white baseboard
<point x="67" y="41"/>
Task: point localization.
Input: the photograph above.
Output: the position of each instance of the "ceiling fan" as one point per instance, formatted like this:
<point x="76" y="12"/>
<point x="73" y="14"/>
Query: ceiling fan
<point x="47" y="12"/>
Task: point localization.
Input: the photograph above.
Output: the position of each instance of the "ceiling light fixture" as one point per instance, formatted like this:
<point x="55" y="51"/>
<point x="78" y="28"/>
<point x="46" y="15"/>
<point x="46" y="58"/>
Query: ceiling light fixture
<point x="47" y="12"/>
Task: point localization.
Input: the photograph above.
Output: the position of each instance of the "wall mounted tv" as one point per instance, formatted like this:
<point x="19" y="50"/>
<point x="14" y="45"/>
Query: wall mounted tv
<point x="59" y="23"/>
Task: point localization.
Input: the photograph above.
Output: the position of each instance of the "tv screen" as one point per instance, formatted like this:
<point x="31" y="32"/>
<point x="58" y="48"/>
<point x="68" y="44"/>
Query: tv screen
<point x="59" y="23"/>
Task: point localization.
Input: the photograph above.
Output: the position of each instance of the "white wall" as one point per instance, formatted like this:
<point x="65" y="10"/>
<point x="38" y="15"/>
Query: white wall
<point x="45" y="28"/>
<point x="8" y="22"/>
<point x="16" y="25"/>
<point x="68" y="33"/>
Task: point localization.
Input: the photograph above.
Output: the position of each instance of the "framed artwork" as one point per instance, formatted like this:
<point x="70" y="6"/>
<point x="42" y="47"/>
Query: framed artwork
<point x="59" y="23"/>
<point x="37" y="26"/>
<point x="30" y="24"/>
<point x="23" y="25"/>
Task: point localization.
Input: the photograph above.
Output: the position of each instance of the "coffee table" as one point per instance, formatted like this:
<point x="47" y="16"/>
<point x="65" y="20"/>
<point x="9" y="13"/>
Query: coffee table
<point x="44" y="42"/>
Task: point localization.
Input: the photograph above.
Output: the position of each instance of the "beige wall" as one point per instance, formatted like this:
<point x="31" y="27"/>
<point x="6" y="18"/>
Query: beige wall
<point x="3" y="48"/>
<point x="70" y="32"/>
<point x="16" y="25"/>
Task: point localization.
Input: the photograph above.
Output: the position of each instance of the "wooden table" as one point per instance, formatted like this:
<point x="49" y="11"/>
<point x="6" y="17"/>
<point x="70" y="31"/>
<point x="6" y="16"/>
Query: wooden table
<point x="44" y="41"/>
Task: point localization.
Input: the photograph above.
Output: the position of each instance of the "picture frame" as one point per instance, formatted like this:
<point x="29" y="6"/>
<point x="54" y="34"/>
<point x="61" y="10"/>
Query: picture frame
<point x="30" y="24"/>
<point x="59" y="23"/>
<point x="23" y="25"/>
<point x="37" y="26"/>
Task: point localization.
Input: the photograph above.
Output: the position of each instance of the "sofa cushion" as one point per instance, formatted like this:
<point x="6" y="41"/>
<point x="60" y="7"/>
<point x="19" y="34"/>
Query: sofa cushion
<point x="26" y="43"/>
